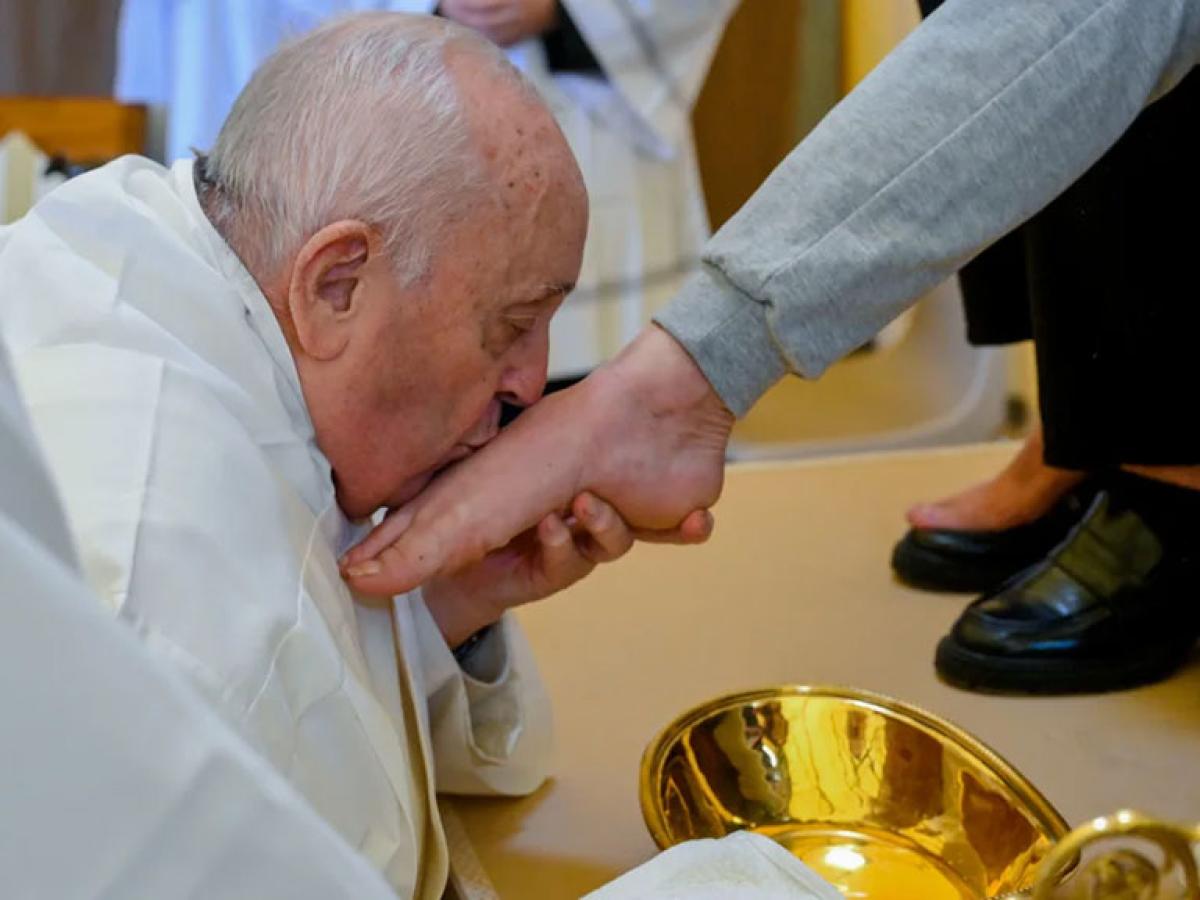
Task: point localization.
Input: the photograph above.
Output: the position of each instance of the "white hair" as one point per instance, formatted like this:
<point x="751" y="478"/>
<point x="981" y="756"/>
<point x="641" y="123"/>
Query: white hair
<point x="359" y="119"/>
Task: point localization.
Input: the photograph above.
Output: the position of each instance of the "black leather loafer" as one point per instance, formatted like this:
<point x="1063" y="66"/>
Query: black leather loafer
<point x="937" y="559"/>
<point x="1116" y="604"/>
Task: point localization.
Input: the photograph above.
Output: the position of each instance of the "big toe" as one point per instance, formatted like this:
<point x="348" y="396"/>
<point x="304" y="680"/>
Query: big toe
<point x="929" y="515"/>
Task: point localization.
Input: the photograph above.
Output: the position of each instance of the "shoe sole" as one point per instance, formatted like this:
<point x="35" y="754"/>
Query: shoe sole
<point x="966" y="668"/>
<point x="931" y="571"/>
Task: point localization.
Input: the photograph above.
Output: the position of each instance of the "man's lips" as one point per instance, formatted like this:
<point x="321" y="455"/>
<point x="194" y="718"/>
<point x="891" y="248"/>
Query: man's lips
<point x="419" y="482"/>
<point x="457" y="453"/>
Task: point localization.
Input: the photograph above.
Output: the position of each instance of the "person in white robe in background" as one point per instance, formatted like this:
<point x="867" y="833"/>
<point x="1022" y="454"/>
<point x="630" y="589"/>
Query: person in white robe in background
<point x="232" y="364"/>
<point x="625" y="109"/>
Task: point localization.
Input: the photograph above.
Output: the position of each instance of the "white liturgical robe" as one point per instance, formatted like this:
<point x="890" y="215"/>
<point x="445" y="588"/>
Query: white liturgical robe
<point x="170" y="411"/>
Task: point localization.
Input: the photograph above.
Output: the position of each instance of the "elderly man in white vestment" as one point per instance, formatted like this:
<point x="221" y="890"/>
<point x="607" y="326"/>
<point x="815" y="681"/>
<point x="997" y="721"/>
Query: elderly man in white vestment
<point x="235" y="362"/>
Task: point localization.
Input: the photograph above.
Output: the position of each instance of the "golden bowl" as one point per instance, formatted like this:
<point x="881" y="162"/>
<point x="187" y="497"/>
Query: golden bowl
<point x="882" y="799"/>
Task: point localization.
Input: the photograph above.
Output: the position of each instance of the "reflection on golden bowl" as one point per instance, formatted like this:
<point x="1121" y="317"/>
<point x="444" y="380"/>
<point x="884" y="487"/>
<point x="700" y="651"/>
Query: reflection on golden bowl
<point x="883" y="800"/>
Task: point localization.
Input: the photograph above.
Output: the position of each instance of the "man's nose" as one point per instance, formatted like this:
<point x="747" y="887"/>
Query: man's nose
<point x="523" y="382"/>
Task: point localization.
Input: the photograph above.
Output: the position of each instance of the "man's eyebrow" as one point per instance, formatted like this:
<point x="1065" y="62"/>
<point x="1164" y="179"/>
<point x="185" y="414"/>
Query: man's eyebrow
<point x="553" y="289"/>
<point x="543" y="293"/>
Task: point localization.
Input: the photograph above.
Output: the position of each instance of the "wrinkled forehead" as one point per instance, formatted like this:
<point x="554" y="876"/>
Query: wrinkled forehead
<point x="528" y="222"/>
<point x="521" y="148"/>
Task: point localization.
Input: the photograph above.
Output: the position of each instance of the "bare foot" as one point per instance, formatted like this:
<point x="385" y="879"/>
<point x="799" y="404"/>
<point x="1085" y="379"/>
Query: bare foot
<point x="1180" y="476"/>
<point x="645" y="432"/>
<point x="1025" y="490"/>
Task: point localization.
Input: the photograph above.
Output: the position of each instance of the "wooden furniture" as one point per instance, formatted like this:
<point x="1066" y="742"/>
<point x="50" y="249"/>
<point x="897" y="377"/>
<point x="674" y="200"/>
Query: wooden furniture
<point x="85" y="130"/>
<point x="776" y="72"/>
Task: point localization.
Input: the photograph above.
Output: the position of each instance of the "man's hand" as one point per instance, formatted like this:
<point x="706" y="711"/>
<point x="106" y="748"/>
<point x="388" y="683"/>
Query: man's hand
<point x="534" y="565"/>
<point x="503" y="22"/>
<point x="645" y="432"/>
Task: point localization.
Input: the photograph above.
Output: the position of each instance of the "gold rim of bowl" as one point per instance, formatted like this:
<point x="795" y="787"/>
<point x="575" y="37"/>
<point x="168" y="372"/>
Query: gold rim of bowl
<point x="1048" y="817"/>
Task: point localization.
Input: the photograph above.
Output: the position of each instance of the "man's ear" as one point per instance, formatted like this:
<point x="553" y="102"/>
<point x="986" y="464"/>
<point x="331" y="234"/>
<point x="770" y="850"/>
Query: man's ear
<point x="324" y="299"/>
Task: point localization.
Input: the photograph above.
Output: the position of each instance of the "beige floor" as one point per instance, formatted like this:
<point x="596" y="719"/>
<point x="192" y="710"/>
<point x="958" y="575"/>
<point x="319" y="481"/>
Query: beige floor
<point x="794" y="587"/>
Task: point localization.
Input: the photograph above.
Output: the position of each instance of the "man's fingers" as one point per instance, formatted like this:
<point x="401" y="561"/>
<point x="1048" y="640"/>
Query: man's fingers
<point x="485" y="16"/>
<point x="562" y="561"/>
<point x="384" y="565"/>
<point x="469" y="8"/>
<point x="696" y="528"/>
<point x="608" y="537"/>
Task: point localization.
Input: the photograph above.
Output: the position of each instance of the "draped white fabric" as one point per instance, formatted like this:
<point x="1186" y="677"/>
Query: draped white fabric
<point x="742" y="864"/>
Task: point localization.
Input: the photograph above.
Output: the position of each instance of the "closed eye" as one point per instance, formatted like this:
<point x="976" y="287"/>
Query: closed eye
<point x="508" y="330"/>
<point x="522" y="323"/>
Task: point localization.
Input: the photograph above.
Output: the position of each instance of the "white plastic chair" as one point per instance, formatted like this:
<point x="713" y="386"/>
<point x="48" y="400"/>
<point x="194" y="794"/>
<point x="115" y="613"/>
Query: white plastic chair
<point x="928" y="388"/>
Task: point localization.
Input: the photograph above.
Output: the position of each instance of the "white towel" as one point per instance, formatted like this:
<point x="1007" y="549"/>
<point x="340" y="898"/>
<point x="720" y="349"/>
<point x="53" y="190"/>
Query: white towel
<point x="739" y="865"/>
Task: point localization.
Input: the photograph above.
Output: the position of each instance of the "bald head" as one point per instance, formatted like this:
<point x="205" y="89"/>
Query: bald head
<point x="409" y="123"/>
<point x="520" y="145"/>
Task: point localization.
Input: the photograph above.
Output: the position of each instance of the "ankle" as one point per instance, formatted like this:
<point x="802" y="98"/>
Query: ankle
<point x="1169" y="508"/>
<point x="1178" y="476"/>
<point x="657" y="368"/>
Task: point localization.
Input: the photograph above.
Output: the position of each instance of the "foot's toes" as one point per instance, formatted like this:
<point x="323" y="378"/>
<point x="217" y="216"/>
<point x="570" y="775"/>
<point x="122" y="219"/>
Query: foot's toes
<point x="927" y="515"/>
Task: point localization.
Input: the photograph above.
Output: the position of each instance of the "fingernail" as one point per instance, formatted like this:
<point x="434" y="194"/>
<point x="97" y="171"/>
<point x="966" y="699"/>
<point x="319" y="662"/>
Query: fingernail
<point x="591" y="508"/>
<point x="362" y="570"/>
